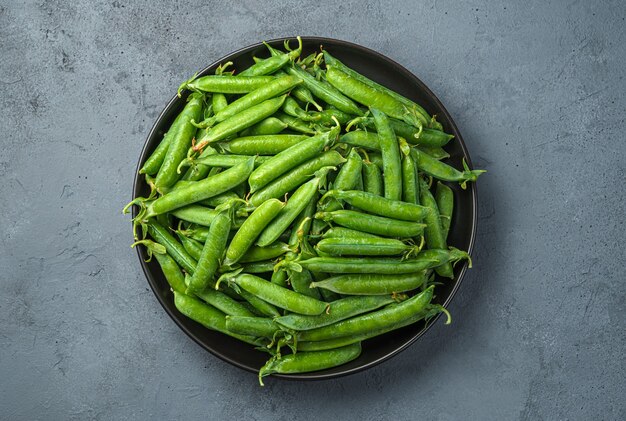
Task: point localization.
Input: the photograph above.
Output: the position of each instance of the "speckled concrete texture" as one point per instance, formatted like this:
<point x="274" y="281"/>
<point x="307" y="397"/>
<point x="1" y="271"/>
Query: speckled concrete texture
<point x="537" y="88"/>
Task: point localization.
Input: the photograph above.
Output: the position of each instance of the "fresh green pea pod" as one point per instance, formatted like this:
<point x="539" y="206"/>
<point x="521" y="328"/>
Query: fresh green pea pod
<point x="361" y="139"/>
<point x="373" y="284"/>
<point x="301" y="283"/>
<point x="427" y="259"/>
<point x="212" y="252"/>
<point x="258" y="254"/>
<point x="294" y="123"/>
<point x="208" y="316"/>
<point x="262" y="144"/>
<point x="296" y="177"/>
<point x="390" y="151"/>
<point x="382" y="206"/>
<point x="218" y="102"/>
<point x="182" y="135"/>
<point x="193" y="247"/>
<point x="330" y="116"/>
<point x="444" y="196"/>
<point x="442" y="171"/>
<point x="252" y="326"/>
<point x="414" y="135"/>
<point x="259" y="267"/>
<point x="433" y="233"/>
<point x="437" y="153"/>
<point x="279" y="277"/>
<point x="341" y="232"/>
<point x="251" y="229"/>
<point x="376" y="159"/>
<point x="420" y="112"/>
<point x="303" y="362"/>
<point x="273" y="89"/>
<point x="279" y="296"/>
<point x="196" y="214"/>
<point x="173" y="275"/>
<point x="295" y="205"/>
<point x="373" y="224"/>
<point x="323" y="345"/>
<point x="200" y="190"/>
<point x="224" y="303"/>
<point x="290" y="158"/>
<point x="240" y="121"/>
<point x="372" y="179"/>
<point x="328" y="94"/>
<point x="347" y="179"/>
<point x="364" y="247"/>
<point x="154" y="162"/>
<point x="338" y="310"/>
<point x="302" y="225"/>
<point x="263" y="307"/>
<point x="225" y="84"/>
<point x="410" y="186"/>
<point x="379" y="319"/>
<point x="198" y="172"/>
<point x="274" y="63"/>
<point x="269" y="126"/>
<point x="228" y="161"/>
<point x="162" y="236"/>
<point x="292" y="108"/>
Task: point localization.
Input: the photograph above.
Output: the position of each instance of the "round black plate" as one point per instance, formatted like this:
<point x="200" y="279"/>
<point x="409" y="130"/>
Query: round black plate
<point x="382" y="70"/>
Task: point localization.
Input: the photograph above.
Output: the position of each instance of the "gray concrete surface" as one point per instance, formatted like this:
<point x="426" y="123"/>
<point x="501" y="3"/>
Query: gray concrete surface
<point x="537" y="88"/>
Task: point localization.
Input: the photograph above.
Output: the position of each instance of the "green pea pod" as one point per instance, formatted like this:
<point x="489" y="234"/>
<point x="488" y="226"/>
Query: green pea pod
<point x="330" y="116"/>
<point x="173" y="275"/>
<point x="182" y="134"/>
<point x="303" y="362"/>
<point x="163" y="236"/>
<point x="390" y="151"/>
<point x="302" y="225"/>
<point x="153" y="163"/>
<point x="292" y="108"/>
<point x="420" y="112"/>
<point x="362" y="139"/>
<point x="432" y="310"/>
<point x="262" y="307"/>
<point x="262" y="144"/>
<point x="193" y="247"/>
<point x="274" y="63"/>
<point x="240" y="121"/>
<point x="364" y="247"/>
<point x="382" y="206"/>
<point x="427" y="259"/>
<point x="379" y="225"/>
<point x="290" y="158"/>
<point x="208" y="316"/>
<point x="295" y="205"/>
<point x="442" y="171"/>
<point x="373" y="284"/>
<point x="380" y="319"/>
<point x="218" y="102"/>
<point x="251" y="229"/>
<point x="444" y="196"/>
<point x="410" y="186"/>
<point x="296" y="177"/>
<point x="252" y="326"/>
<point x="258" y="254"/>
<point x="347" y="179"/>
<point x="227" y="161"/>
<point x="201" y="190"/>
<point x="273" y="89"/>
<point x="433" y="234"/>
<point x="372" y="179"/>
<point x="414" y="135"/>
<point x="212" y="252"/>
<point x="196" y="214"/>
<point x="198" y="172"/>
<point x="225" y="84"/>
<point x="338" y="310"/>
<point x="437" y="153"/>
<point x="224" y="303"/>
<point x="269" y="126"/>
<point x="294" y="123"/>
<point x="327" y="93"/>
<point x="279" y="277"/>
<point x="259" y="267"/>
<point x="279" y="296"/>
<point x="341" y="232"/>
<point x="301" y="283"/>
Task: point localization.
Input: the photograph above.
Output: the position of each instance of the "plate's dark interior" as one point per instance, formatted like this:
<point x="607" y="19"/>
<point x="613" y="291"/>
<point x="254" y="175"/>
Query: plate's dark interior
<point x="392" y="75"/>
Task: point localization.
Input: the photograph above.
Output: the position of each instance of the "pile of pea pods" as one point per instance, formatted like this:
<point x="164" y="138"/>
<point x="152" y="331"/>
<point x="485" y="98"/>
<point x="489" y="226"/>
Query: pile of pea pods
<point x="300" y="207"/>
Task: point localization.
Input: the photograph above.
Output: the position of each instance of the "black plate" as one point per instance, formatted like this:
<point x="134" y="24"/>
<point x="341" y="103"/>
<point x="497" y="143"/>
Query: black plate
<point x="389" y="73"/>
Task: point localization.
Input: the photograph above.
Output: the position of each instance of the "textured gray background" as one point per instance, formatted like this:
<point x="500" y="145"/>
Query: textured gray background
<point x="537" y="90"/>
